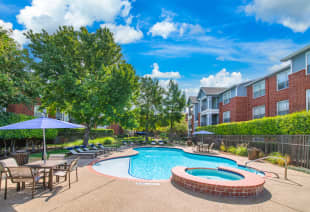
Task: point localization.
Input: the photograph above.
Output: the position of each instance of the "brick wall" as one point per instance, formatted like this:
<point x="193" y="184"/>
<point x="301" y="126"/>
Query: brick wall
<point x="275" y="95"/>
<point x="237" y="107"/>
<point x="263" y="100"/>
<point x="299" y="82"/>
<point x="21" y="109"/>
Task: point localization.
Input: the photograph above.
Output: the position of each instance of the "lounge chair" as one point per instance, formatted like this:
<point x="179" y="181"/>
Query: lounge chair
<point x="94" y="147"/>
<point x="90" y="150"/>
<point x="161" y="143"/>
<point x="66" y="171"/>
<point x="57" y="157"/>
<point x="153" y="143"/>
<point x="80" y="150"/>
<point x="211" y="147"/>
<point x="85" y="154"/>
<point x="9" y="162"/>
<point x="21" y="174"/>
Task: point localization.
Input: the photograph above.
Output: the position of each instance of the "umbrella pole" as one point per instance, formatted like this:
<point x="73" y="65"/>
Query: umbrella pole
<point x="44" y="146"/>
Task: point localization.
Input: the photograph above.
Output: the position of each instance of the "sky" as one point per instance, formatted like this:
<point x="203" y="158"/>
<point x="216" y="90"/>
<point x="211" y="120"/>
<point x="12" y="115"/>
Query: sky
<point x="196" y="43"/>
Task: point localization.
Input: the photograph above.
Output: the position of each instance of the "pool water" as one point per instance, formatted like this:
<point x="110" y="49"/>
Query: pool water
<point x="214" y="174"/>
<point x="156" y="163"/>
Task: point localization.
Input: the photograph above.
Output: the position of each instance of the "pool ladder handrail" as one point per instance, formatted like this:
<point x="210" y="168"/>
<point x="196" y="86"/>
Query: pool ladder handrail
<point x="275" y="157"/>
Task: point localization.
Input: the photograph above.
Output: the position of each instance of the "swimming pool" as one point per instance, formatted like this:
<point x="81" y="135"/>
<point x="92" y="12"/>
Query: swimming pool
<point x="152" y="163"/>
<point x="215" y="174"/>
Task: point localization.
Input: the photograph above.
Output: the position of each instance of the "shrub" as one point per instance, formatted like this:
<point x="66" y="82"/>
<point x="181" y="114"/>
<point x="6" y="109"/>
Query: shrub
<point x="223" y="148"/>
<point x="278" y="161"/>
<point x="242" y="150"/>
<point x="291" y="124"/>
<point x="231" y="149"/>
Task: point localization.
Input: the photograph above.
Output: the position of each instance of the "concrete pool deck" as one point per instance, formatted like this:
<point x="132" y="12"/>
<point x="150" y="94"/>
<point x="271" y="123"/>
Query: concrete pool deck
<point x="95" y="192"/>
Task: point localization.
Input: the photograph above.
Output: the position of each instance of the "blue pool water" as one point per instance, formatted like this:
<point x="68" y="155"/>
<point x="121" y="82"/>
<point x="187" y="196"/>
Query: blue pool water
<point x="215" y="174"/>
<point x="156" y="163"/>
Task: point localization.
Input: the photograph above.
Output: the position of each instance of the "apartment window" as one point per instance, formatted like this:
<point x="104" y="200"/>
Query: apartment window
<point x="259" y="112"/>
<point x="62" y="116"/>
<point x="282" y="80"/>
<point x="226" y="97"/>
<point x="37" y="112"/>
<point x="308" y="62"/>
<point x="226" y="117"/>
<point x="259" y="89"/>
<point x="3" y="109"/>
<point x="308" y="99"/>
<point x="283" y="107"/>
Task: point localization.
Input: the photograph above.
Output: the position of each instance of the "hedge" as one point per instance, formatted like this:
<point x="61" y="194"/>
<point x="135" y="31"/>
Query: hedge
<point x="80" y="132"/>
<point x="11" y="118"/>
<point x="291" y="124"/>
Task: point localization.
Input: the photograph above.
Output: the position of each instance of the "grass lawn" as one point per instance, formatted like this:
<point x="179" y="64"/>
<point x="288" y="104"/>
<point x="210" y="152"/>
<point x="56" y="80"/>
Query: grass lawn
<point x="56" y="151"/>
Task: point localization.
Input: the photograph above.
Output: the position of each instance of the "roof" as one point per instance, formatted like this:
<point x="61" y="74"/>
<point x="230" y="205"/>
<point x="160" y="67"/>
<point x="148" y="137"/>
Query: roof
<point x="236" y="85"/>
<point x="212" y="90"/>
<point x="193" y="99"/>
<point x="269" y="75"/>
<point x="306" y="48"/>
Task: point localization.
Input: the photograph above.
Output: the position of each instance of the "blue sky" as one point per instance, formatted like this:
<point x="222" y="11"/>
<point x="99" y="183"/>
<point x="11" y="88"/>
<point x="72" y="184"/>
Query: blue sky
<point x="197" y="43"/>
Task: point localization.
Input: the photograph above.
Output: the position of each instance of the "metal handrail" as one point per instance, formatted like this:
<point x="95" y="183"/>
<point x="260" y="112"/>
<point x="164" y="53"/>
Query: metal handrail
<point x="285" y="161"/>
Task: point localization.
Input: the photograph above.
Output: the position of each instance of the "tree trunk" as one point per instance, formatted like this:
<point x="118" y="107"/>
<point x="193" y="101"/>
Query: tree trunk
<point x="171" y="132"/>
<point x="86" y="136"/>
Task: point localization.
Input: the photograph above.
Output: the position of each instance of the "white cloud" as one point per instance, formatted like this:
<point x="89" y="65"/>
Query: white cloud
<point x="221" y="79"/>
<point x="124" y="34"/>
<point x="156" y="73"/>
<point x="17" y="35"/>
<point x="49" y="14"/>
<point x="293" y="14"/>
<point x="279" y="66"/>
<point x="166" y="27"/>
<point x="163" y="29"/>
<point x="190" y="29"/>
<point x="190" y="92"/>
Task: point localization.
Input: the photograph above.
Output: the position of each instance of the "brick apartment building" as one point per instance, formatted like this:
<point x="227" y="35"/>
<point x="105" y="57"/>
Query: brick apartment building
<point x="284" y="91"/>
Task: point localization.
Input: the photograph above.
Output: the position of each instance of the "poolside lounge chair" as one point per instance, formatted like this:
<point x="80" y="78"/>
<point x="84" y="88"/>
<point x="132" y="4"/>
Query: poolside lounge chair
<point x="80" y="150"/>
<point x="161" y="143"/>
<point x="9" y="162"/>
<point x="21" y="174"/>
<point x="92" y="150"/>
<point x="66" y="171"/>
<point x="84" y="154"/>
<point x="57" y="157"/>
<point x="211" y="147"/>
<point x="153" y="143"/>
<point x="94" y="147"/>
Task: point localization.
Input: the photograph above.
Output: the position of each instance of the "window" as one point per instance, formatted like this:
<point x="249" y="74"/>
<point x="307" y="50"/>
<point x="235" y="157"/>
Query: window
<point x="3" y="109"/>
<point x="62" y="116"/>
<point x="226" y="97"/>
<point x="283" y="107"/>
<point x="282" y="80"/>
<point x="308" y="62"/>
<point x="226" y="117"/>
<point x="259" y="112"/>
<point x="308" y="99"/>
<point x="37" y="112"/>
<point x="204" y="104"/>
<point x="259" y="89"/>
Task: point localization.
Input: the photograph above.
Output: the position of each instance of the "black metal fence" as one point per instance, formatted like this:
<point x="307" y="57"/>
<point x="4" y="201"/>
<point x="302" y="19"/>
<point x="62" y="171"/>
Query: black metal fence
<point x="296" y="146"/>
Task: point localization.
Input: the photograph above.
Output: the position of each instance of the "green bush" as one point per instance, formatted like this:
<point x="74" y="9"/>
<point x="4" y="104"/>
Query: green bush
<point x="223" y="148"/>
<point x="94" y="133"/>
<point x="231" y="149"/>
<point x="11" y="118"/>
<point x="241" y="150"/>
<point x="291" y="124"/>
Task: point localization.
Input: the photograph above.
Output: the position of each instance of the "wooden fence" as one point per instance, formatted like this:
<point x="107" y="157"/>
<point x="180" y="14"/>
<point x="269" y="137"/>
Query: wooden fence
<point x="296" y="146"/>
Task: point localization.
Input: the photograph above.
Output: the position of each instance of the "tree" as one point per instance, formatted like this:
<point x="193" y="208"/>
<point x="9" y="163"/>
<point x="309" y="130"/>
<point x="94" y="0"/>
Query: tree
<point x="84" y="74"/>
<point x="174" y="105"/>
<point x="149" y="104"/>
<point x="16" y="79"/>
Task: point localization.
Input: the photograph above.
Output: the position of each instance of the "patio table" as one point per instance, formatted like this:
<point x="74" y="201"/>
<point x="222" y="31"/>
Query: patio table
<point x="49" y="164"/>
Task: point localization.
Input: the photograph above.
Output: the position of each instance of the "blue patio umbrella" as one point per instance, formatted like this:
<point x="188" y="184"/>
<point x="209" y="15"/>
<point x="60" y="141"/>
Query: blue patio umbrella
<point x="41" y="123"/>
<point x="203" y="132"/>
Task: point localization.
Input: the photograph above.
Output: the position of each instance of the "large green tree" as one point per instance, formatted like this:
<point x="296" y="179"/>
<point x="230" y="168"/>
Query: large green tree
<point x="149" y="104"/>
<point x="83" y="73"/>
<point x="16" y="80"/>
<point x="174" y="105"/>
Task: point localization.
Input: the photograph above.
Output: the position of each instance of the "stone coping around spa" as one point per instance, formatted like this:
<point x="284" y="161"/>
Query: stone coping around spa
<point x="249" y="180"/>
<point x="134" y="152"/>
